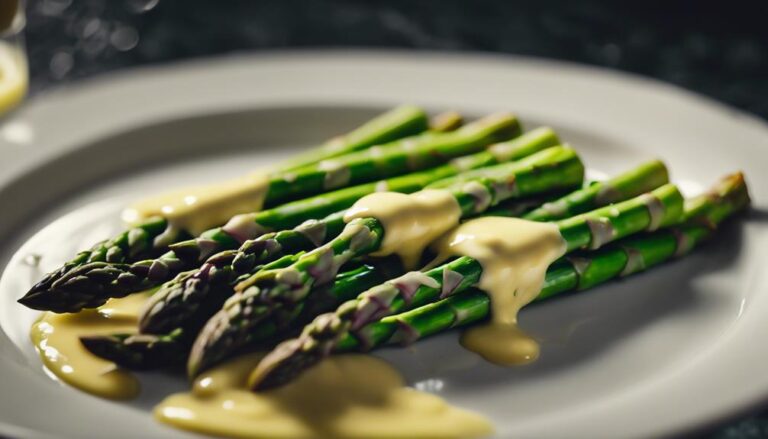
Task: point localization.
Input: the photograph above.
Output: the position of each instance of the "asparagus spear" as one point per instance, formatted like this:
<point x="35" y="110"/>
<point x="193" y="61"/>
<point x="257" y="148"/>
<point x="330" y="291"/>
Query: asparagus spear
<point x="402" y="121"/>
<point x="181" y="300"/>
<point x="88" y="281"/>
<point x="279" y="293"/>
<point x="139" y="351"/>
<point x="181" y="296"/>
<point x="398" y="157"/>
<point x="651" y="174"/>
<point x="362" y="324"/>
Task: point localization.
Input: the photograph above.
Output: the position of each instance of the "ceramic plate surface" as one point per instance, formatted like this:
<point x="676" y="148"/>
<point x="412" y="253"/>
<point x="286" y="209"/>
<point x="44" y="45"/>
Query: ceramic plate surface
<point x="660" y="353"/>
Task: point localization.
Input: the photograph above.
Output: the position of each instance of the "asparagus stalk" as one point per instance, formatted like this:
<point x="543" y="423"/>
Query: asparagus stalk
<point x="402" y="121"/>
<point x="362" y="324"/>
<point x="648" y="175"/>
<point x="279" y="293"/>
<point x="87" y="283"/>
<point x="398" y="157"/>
<point x="139" y="351"/>
<point x="182" y="295"/>
<point x="181" y="300"/>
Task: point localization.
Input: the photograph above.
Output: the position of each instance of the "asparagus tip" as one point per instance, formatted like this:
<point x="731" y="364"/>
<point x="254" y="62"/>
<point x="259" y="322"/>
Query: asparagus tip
<point x="206" y="344"/>
<point x="105" y="346"/>
<point x="34" y="300"/>
<point x="149" y="314"/>
<point x="288" y="360"/>
<point x="135" y="351"/>
<point x="50" y="300"/>
<point x="733" y="189"/>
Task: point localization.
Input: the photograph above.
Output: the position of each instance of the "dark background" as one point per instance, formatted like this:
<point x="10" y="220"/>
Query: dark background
<point x="716" y="48"/>
<point x="719" y="49"/>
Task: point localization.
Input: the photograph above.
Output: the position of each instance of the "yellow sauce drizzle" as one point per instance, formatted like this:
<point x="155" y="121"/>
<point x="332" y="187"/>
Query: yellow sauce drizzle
<point x="346" y="396"/>
<point x="515" y="255"/>
<point x="56" y="339"/>
<point x="199" y="208"/>
<point x="501" y="343"/>
<point x="411" y="221"/>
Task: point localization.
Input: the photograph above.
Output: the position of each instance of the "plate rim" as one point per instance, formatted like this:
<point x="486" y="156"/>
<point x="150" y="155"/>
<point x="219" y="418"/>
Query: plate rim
<point x="136" y="76"/>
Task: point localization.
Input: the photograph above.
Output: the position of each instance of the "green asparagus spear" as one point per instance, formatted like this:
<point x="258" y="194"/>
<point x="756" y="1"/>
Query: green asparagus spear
<point x="278" y="294"/>
<point x="403" y="121"/>
<point x="139" y="351"/>
<point x="181" y="296"/>
<point x="398" y="157"/>
<point x="363" y="324"/>
<point x="647" y="176"/>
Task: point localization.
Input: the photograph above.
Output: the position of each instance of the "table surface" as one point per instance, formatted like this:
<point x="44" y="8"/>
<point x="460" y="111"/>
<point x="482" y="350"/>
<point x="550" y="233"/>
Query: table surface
<point x="718" y="51"/>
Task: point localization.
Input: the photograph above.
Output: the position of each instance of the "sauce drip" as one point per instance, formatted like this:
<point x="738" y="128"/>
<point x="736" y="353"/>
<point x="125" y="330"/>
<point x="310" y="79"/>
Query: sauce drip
<point x="515" y="255"/>
<point x="56" y="339"/>
<point x="411" y="221"/>
<point x="199" y="208"/>
<point x="501" y="343"/>
<point x="346" y="396"/>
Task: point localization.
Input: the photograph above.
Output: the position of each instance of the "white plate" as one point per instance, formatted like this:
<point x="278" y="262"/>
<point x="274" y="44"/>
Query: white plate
<point x="666" y="351"/>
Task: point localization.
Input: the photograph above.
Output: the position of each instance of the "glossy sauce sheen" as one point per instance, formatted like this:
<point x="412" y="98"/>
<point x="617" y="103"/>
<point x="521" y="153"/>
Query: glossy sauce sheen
<point x="196" y="209"/>
<point x="515" y="255"/>
<point x="346" y="396"/>
<point x="56" y="338"/>
<point x="411" y="221"/>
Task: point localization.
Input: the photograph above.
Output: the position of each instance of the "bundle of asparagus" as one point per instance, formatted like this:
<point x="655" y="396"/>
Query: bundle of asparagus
<point x="312" y="270"/>
<point x="94" y="276"/>
<point x="220" y="271"/>
<point x="178" y="309"/>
